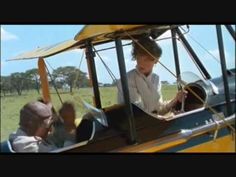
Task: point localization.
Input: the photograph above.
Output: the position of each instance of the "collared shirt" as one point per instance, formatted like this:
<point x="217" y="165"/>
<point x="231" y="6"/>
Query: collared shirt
<point x="21" y="142"/>
<point x="145" y="92"/>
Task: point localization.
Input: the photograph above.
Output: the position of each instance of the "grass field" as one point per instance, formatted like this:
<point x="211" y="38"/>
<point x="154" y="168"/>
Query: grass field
<point x="11" y="104"/>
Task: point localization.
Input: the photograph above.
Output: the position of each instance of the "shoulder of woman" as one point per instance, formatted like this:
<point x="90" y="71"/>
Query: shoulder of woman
<point x="131" y="72"/>
<point x="131" y="75"/>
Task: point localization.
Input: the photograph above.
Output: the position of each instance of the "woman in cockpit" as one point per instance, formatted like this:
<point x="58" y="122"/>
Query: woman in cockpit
<point x="144" y="85"/>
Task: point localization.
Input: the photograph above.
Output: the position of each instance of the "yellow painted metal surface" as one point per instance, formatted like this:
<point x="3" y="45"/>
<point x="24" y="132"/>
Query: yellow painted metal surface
<point x="151" y="146"/>
<point x="223" y="144"/>
<point x="47" y="51"/>
<point x="164" y="146"/>
<point x="90" y="31"/>
<point x="96" y="32"/>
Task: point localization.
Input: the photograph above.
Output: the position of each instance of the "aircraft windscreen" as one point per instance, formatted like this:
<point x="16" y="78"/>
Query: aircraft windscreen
<point x="97" y="114"/>
<point x="189" y="77"/>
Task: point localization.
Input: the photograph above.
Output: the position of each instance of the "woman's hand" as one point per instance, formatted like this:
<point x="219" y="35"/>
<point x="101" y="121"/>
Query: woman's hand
<point x="181" y="95"/>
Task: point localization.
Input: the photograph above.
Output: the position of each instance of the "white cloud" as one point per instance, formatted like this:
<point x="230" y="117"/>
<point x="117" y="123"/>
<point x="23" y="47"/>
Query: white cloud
<point x="6" y="36"/>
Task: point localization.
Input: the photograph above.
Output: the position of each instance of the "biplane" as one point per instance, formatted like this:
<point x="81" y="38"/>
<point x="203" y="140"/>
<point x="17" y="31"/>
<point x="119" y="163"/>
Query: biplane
<point x="207" y="119"/>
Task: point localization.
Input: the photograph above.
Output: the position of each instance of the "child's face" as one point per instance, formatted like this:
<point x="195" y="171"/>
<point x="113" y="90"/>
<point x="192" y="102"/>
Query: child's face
<point x="145" y="64"/>
<point x="68" y="114"/>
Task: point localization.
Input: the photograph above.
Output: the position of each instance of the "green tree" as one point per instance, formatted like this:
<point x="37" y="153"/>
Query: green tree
<point x="70" y="75"/>
<point x="5" y="85"/>
<point x="17" y="81"/>
<point x="33" y="79"/>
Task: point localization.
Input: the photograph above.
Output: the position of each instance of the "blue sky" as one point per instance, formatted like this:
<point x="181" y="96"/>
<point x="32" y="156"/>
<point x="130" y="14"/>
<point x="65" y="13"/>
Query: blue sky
<point x="16" y="39"/>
